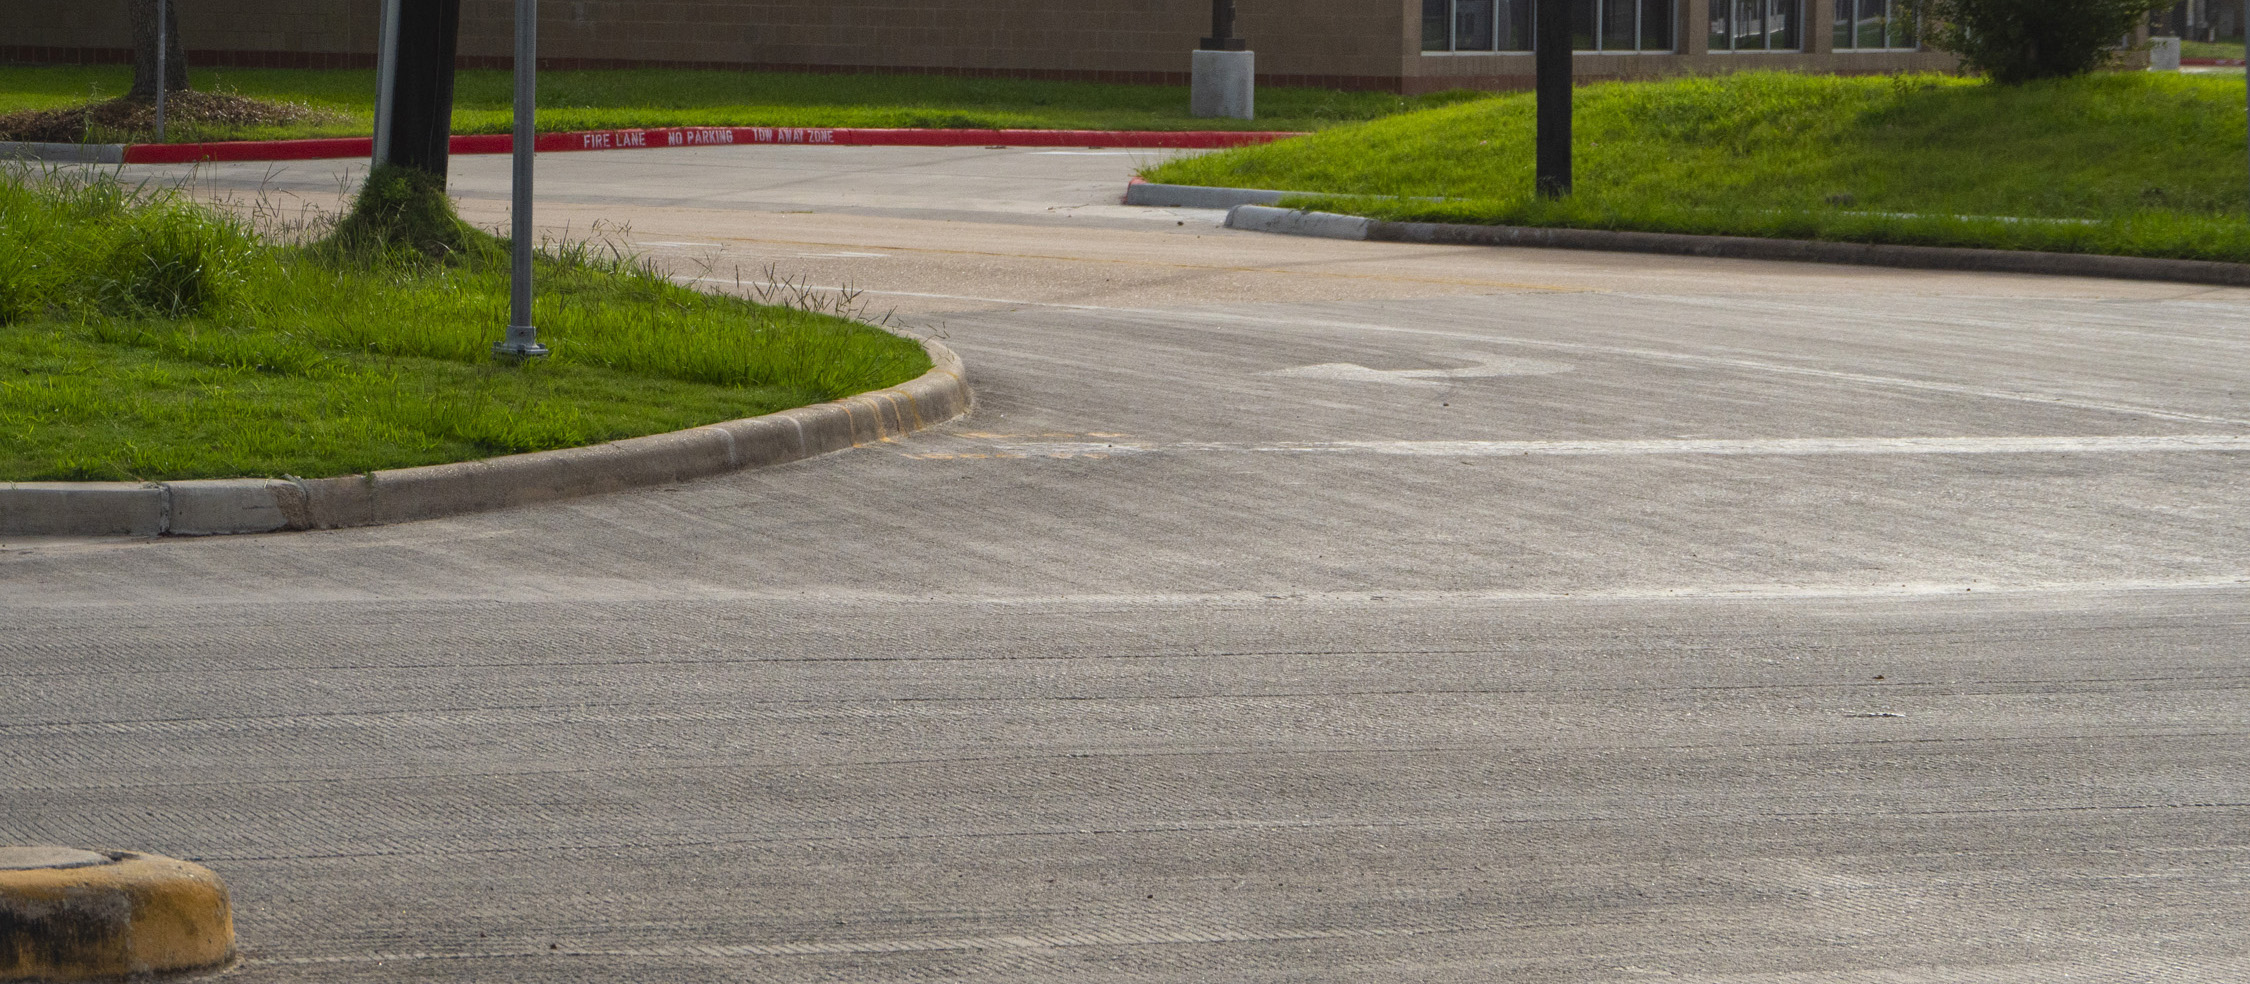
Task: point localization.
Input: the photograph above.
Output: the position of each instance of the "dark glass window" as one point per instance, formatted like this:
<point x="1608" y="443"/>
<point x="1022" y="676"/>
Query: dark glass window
<point x="1781" y="26"/>
<point x="1877" y="25"/>
<point x="1867" y="32"/>
<point x="1906" y="24"/>
<point x="1437" y="25"/>
<point x="1584" y="24"/>
<point x="1515" y="25"/>
<point x="1621" y="27"/>
<point x="1756" y="25"/>
<point x="1472" y="25"/>
<point x="1656" y="25"/>
<point x="1505" y="25"/>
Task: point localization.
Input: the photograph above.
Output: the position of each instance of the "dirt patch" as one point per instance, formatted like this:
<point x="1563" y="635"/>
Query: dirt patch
<point x="120" y="121"/>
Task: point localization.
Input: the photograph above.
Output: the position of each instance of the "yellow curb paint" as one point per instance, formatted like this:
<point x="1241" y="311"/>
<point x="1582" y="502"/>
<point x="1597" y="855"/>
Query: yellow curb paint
<point x="129" y="914"/>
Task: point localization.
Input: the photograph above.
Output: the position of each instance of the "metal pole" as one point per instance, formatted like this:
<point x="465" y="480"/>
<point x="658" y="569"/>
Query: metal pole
<point x="1222" y="28"/>
<point x="160" y="67"/>
<point x="1551" y="52"/>
<point x="386" y="80"/>
<point x="523" y="338"/>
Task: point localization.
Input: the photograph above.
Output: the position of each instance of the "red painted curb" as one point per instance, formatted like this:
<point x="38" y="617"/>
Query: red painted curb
<point x="699" y="136"/>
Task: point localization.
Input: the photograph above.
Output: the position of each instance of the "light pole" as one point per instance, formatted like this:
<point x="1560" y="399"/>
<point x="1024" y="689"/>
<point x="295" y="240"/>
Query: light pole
<point x="522" y="341"/>
<point x="160" y="66"/>
<point x="1551" y="52"/>
<point x="1222" y="29"/>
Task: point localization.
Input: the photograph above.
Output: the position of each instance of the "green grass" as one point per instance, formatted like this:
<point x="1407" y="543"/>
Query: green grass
<point x="595" y="100"/>
<point x="144" y="338"/>
<point x="2136" y="163"/>
<point x="2211" y="49"/>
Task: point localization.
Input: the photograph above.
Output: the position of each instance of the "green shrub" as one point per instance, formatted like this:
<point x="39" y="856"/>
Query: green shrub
<point x="2016" y="41"/>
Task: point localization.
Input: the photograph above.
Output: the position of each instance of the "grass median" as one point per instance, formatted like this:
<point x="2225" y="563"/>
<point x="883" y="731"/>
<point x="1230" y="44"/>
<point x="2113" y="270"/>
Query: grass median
<point x="2128" y="163"/>
<point x="342" y="102"/>
<point x="143" y="337"/>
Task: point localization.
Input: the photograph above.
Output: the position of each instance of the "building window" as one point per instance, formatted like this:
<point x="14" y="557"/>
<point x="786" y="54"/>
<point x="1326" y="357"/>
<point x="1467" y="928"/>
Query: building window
<point x="1756" y="25"/>
<point x="1880" y="25"/>
<point x="1505" y="25"/>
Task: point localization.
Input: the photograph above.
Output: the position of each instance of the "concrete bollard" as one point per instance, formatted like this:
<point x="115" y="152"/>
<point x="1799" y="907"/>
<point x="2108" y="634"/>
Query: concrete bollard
<point x="2164" y="54"/>
<point x="1224" y="83"/>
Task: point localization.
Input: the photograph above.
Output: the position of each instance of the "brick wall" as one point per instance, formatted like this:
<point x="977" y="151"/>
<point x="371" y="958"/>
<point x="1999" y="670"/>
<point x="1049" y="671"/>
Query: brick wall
<point x="1350" y="43"/>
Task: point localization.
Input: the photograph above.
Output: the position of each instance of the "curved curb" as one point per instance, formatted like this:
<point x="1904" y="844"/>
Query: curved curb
<point x="72" y="915"/>
<point x="1332" y="225"/>
<point x="259" y="505"/>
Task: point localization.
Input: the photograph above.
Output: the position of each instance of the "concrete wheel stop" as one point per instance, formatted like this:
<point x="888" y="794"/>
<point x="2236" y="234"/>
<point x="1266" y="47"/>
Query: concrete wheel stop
<point x="72" y="915"/>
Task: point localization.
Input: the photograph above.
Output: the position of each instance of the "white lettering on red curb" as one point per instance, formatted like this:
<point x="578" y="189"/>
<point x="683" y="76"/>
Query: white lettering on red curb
<point x="790" y="135"/>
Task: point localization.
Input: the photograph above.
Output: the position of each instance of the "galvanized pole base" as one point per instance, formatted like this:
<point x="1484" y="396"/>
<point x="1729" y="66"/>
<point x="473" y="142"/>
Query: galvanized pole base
<point x="523" y="338"/>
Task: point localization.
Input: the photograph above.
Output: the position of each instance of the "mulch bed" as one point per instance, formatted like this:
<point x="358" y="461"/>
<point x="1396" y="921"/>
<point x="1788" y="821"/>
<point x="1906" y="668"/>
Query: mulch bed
<point x="119" y="121"/>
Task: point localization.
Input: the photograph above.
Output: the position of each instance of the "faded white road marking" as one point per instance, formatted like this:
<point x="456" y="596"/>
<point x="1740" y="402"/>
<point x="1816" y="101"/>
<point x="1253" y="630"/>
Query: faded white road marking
<point x="1486" y="366"/>
<point x="1690" y="358"/>
<point x="2122" y="444"/>
<point x="909" y="293"/>
<point x="1654" y="355"/>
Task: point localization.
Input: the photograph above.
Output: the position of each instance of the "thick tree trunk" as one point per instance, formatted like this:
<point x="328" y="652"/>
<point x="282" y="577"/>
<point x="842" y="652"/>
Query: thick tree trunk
<point x="142" y="15"/>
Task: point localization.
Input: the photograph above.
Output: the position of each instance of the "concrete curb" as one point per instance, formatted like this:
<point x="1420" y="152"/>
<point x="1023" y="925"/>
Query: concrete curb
<point x="258" y="505"/>
<point x="1259" y="218"/>
<point x="71" y="915"/>
<point x="1155" y="195"/>
<point x="62" y="153"/>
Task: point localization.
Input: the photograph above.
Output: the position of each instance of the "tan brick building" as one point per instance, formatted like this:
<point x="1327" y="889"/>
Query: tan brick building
<point x="1409" y="46"/>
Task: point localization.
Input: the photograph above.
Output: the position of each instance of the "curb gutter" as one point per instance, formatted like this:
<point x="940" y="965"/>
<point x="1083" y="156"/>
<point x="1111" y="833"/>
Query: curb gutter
<point x="1259" y="218"/>
<point x="693" y="136"/>
<point x="259" y="505"/>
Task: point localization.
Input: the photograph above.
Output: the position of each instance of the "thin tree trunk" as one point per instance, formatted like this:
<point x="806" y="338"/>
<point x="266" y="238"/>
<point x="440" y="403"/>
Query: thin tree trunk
<point x="142" y="15"/>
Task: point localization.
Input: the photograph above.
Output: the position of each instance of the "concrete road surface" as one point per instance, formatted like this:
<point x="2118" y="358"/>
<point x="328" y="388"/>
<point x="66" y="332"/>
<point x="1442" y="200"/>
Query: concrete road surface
<point x="1289" y="610"/>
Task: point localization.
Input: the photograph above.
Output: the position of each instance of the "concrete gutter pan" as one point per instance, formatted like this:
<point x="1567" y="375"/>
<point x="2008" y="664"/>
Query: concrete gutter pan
<point x="1252" y="209"/>
<point x="259" y="505"/>
<point x="641" y="139"/>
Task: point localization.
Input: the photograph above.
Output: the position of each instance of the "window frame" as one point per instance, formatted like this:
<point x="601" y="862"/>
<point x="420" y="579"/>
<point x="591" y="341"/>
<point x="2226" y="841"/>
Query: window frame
<point x="1640" y="15"/>
<point x="1766" y="8"/>
<point x="1890" y="15"/>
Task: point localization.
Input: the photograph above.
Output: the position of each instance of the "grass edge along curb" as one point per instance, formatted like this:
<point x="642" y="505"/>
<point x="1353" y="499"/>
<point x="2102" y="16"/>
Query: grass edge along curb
<point x="254" y="505"/>
<point x="321" y="148"/>
<point x="75" y="915"/>
<point x="1333" y="225"/>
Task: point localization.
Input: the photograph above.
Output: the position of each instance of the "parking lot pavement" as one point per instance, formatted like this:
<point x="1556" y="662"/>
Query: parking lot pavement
<point x="1287" y="610"/>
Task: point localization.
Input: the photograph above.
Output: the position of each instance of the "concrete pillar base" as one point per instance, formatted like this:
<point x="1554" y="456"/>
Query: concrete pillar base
<point x="2164" y="54"/>
<point x="1224" y="84"/>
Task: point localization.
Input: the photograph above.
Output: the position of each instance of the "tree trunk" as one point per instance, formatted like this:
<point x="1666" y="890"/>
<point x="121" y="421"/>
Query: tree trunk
<point x="142" y="15"/>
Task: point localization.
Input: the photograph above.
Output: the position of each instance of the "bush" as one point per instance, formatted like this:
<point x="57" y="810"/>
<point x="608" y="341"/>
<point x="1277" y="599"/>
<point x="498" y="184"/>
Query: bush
<point x="2016" y="41"/>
